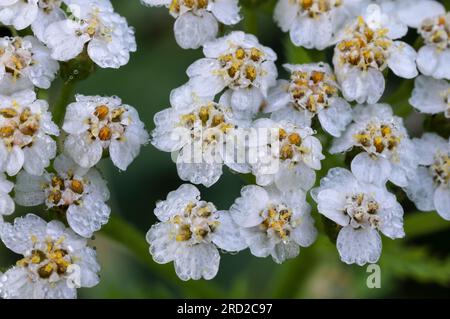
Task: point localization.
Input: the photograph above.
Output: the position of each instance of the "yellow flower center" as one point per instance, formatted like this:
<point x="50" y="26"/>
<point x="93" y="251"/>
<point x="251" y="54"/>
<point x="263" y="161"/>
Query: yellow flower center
<point x="441" y="169"/>
<point x="45" y="262"/>
<point x="278" y="219"/>
<point x="242" y="66"/>
<point x="193" y="5"/>
<point x="378" y="138"/>
<point x="366" y="48"/>
<point x="18" y="126"/>
<point x="362" y="209"/>
<point x="195" y="223"/>
<point x="436" y="31"/>
<point x="315" y="8"/>
<point x="312" y="90"/>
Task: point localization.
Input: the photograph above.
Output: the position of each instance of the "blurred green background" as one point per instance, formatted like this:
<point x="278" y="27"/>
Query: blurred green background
<point x="418" y="266"/>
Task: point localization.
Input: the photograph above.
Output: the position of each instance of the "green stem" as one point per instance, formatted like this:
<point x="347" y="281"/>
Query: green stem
<point x="59" y="109"/>
<point x="124" y="233"/>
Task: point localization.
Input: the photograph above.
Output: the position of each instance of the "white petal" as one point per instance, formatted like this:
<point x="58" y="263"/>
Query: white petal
<point x="176" y="202"/>
<point x="391" y="223"/>
<point x="421" y="189"/>
<point x="371" y="170"/>
<point x="246" y="209"/>
<point x="192" y="31"/>
<point x="402" y="60"/>
<point x="331" y="203"/>
<point x="359" y="246"/>
<point x="285" y="14"/>
<point x="336" y="117"/>
<point x="125" y="150"/>
<point x="247" y="100"/>
<point x="227" y="234"/>
<point x="413" y="13"/>
<point x="226" y="11"/>
<point x="442" y="201"/>
<point x="257" y="240"/>
<point x="89" y="216"/>
<point x="283" y="252"/>
<point x="427" y="146"/>
<point x="83" y="151"/>
<point x="293" y="177"/>
<point x="312" y="32"/>
<point x="427" y="95"/>
<point x="163" y="247"/>
<point x="427" y="60"/>
<point x="305" y="233"/>
<point x="15" y="161"/>
<point x="196" y="262"/>
<point x="19" y="236"/>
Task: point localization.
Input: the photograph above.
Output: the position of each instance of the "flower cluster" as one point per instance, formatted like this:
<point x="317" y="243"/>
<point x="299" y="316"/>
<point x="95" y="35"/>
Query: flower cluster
<point x="49" y="159"/>
<point x="234" y="111"/>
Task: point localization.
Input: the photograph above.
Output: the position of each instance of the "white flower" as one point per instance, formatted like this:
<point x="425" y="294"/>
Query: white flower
<point x="25" y="129"/>
<point x="315" y="23"/>
<point x="95" y="124"/>
<point x="190" y="233"/>
<point x="55" y="261"/>
<point x="6" y="203"/>
<point x="365" y="51"/>
<point x="288" y="155"/>
<point x="18" y="13"/>
<point x="196" y="20"/>
<point x="410" y="13"/>
<point x="239" y="63"/>
<point x="362" y="209"/>
<point x="431" y="96"/>
<point x="274" y="223"/>
<point x="78" y="193"/>
<point x="25" y="62"/>
<point x="312" y="90"/>
<point x="205" y="134"/>
<point x="433" y="58"/>
<point x="49" y="11"/>
<point x="387" y="152"/>
<point x="107" y="35"/>
<point x="429" y="188"/>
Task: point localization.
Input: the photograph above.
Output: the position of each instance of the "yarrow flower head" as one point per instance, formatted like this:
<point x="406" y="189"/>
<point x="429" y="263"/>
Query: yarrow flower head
<point x="315" y="23"/>
<point x="205" y="134"/>
<point x="55" y="261"/>
<point x="236" y="62"/>
<point x="409" y="13"/>
<point x="77" y="193"/>
<point x="190" y="233"/>
<point x="95" y="124"/>
<point x="285" y="155"/>
<point x="312" y="90"/>
<point x="94" y="24"/>
<point x="431" y="96"/>
<point x="6" y="203"/>
<point x="361" y="209"/>
<point x="24" y="63"/>
<point x="387" y="152"/>
<point x="273" y="223"/>
<point x="433" y="58"/>
<point x="25" y="133"/>
<point x="366" y="49"/>
<point x="197" y="20"/>
<point x="429" y="188"/>
<point x="18" y="13"/>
